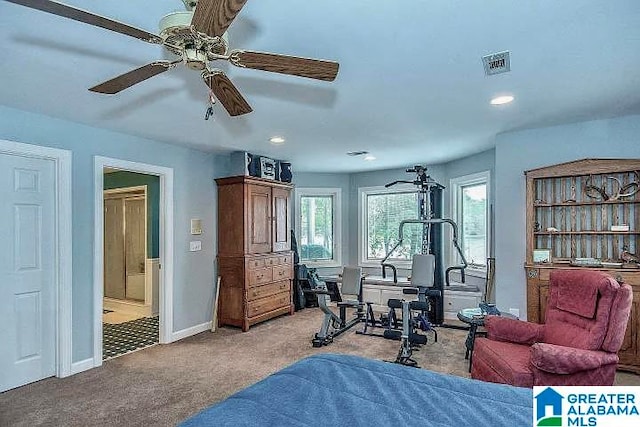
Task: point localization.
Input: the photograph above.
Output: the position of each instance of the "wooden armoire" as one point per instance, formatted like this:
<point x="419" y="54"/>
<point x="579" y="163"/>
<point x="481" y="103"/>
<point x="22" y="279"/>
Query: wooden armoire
<point x="255" y="261"/>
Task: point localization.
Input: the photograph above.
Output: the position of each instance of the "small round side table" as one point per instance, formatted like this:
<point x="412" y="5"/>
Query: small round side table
<point x="474" y="317"/>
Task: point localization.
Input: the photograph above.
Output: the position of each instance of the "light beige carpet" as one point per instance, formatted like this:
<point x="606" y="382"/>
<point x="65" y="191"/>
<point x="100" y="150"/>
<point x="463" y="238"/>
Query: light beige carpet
<point x="165" y="384"/>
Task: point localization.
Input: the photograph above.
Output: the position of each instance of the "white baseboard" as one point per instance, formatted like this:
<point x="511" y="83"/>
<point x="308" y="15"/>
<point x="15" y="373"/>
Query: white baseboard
<point x="127" y="307"/>
<point x="81" y="366"/>
<point x="176" y="336"/>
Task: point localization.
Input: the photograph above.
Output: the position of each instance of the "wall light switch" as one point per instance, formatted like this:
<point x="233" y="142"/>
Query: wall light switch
<point x="196" y="226"/>
<point x="195" y="246"/>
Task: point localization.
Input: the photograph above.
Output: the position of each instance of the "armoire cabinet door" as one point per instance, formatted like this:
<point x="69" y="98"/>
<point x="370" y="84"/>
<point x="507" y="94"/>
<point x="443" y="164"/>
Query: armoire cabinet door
<point x="259" y="225"/>
<point x="281" y="220"/>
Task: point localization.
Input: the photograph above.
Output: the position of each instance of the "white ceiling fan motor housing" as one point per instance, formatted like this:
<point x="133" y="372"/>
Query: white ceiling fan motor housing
<point x="174" y="21"/>
<point x="175" y="29"/>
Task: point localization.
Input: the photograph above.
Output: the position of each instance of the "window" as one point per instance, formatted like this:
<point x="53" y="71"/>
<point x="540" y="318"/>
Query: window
<point x="318" y="226"/>
<point x="470" y="210"/>
<point x="381" y="211"/>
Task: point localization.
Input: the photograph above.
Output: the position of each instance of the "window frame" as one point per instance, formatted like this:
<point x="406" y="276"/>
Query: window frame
<point x="336" y="194"/>
<point x="456" y="185"/>
<point x="363" y="193"/>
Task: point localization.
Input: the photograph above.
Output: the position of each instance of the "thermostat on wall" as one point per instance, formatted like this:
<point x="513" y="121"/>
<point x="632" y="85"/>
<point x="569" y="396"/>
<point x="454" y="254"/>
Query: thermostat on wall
<point x="196" y="226"/>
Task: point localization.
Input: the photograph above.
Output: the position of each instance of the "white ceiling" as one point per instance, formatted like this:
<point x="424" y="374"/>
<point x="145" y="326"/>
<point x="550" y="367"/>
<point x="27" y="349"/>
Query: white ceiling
<point x="411" y="86"/>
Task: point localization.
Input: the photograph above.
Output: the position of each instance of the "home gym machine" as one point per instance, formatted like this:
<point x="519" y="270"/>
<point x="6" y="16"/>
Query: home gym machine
<point x="429" y="206"/>
<point x="409" y="337"/>
<point x="427" y="279"/>
<point x="429" y="305"/>
<point x="332" y="324"/>
<point x="429" y="214"/>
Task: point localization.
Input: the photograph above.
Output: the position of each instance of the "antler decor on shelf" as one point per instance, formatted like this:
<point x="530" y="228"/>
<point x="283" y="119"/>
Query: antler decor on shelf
<point x="593" y="191"/>
<point x="627" y="190"/>
<point x="600" y="193"/>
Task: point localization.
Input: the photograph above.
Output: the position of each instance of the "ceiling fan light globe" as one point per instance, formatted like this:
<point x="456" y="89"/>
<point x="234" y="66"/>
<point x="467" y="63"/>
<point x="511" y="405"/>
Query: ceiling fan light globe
<point x="195" y="59"/>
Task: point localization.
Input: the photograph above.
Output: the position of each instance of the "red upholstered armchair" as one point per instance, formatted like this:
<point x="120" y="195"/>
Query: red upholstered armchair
<point x="586" y="319"/>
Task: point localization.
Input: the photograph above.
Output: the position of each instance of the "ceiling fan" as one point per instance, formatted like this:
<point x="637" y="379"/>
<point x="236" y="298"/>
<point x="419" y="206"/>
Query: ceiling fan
<point x="198" y="36"/>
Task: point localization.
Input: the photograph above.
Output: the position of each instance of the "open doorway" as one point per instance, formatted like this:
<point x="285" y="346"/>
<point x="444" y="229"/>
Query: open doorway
<point x="131" y="250"/>
<point x="133" y="263"/>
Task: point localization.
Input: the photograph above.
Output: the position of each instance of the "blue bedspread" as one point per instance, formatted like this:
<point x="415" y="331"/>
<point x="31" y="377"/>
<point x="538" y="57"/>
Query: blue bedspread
<point x="340" y="390"/>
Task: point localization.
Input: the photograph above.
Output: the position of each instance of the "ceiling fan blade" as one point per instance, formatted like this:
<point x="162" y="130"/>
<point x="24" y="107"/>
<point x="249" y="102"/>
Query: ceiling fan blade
<point x="213" y="17"/>
<point x="80" y="15"/>
<point x="133" y="77"/>
<point x="227" y="93"/>
<point x="303" y="67"/>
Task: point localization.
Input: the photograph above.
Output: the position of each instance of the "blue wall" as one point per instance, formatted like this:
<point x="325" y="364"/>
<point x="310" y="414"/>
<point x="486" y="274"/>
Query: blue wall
<point x="123" y="179"/>
<point x="517" y="152"/>
<point x="194" y="197"/>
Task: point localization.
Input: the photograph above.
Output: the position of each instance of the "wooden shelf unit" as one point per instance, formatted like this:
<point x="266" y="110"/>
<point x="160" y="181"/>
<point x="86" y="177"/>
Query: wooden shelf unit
<point x="583" y="226"/>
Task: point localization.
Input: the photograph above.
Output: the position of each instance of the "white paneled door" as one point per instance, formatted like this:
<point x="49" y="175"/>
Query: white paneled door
<point x="27" y="270"/>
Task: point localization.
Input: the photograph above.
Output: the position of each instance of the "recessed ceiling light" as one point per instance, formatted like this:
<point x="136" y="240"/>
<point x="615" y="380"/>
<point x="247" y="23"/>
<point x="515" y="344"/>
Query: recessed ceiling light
<point x="369" y="157"/>
<point x="357" y="153"/>
<point x="501" y="100"/>
<point x="276" y="140"/>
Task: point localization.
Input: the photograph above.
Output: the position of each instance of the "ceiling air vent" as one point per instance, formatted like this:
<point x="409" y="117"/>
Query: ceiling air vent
<point x="357" y="153"/>
<point x="496" y="63"/>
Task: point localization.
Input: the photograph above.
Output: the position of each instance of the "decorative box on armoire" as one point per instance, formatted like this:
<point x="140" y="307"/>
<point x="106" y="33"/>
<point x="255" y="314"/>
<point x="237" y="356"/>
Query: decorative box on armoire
<point x="255" y="261"/>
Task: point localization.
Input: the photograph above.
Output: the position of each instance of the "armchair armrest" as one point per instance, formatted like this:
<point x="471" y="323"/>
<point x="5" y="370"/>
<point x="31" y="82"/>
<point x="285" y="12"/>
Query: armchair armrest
<point x="558" y="359"/>
<point x="512" y="330"/>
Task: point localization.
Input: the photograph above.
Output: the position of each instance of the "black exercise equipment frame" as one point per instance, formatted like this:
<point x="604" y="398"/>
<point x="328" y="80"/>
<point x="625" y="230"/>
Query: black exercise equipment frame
<point x="334" y="325"/>
<point x="429" y="213"/>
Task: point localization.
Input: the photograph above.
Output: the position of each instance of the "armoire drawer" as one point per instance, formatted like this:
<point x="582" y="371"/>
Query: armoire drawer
<point x="271" y="261"/>
<point x="260" y="276"/>
<point x="267" y="290"/>
<point x="264" y="305"/>
<point x="255" y="263"/>
<point x="284" y="259"/>
<point x="275" y="260"/>
<point x="281" y="272"/>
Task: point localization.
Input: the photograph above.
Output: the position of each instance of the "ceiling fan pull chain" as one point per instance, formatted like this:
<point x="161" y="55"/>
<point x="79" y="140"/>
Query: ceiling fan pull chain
<point x="209" y="111"/>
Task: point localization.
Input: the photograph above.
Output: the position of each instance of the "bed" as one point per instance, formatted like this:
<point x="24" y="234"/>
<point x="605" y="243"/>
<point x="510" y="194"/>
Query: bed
<point x="342" y="390"/>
